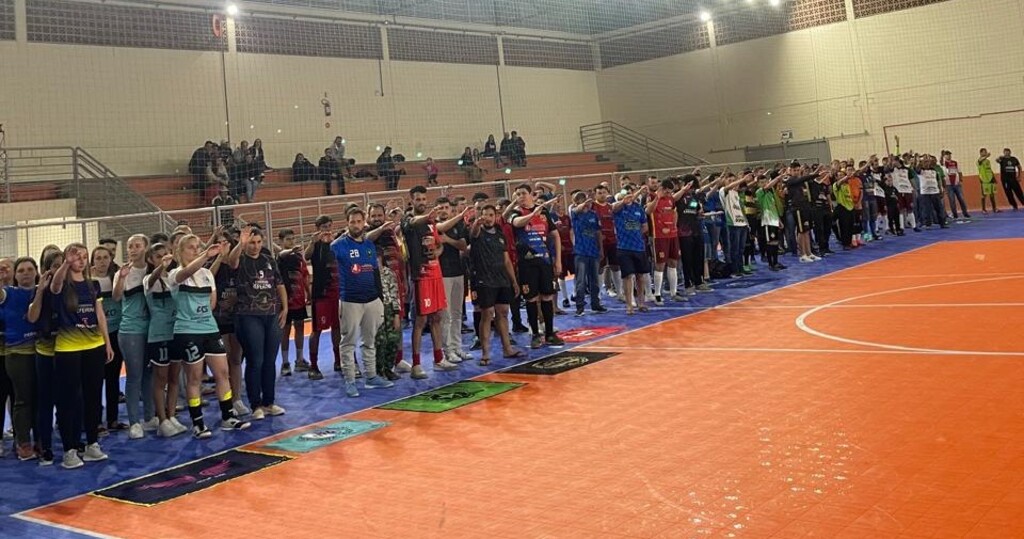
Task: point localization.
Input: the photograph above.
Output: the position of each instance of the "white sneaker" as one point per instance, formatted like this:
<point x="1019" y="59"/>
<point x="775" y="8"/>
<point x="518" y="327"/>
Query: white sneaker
<point x="612" y="294"/>
<point x="177" y="424"/>
<point x="167" y="429"/>
<point x="445" y="365"/>
<point x="151" y="425"/>
<point x="403" y="367"/>
<point x="806" y="259"/>
<point x="462" y="354"/>
<point x="240" y="408"/>
<point x="451" y="357"/>
<point x="273" y="409"/>
<point x="658" y="301"/>
<point x="258" y="414"/>
<point x="93" y="453"/>
<point x="814" y="257"/>
<point x="649" y="297"/>
<point x="71" y="460"/>
<point x="678" y="297"/>
<point x="136" y="432"/>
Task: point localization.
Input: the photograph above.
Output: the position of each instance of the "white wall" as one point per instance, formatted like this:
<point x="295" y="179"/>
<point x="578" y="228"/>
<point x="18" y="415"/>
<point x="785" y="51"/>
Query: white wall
<point x="839" y="81"/>
<point x="143" y="111"/>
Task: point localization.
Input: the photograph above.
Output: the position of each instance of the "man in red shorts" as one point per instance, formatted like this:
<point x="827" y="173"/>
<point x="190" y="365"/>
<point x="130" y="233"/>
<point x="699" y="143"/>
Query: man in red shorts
<point x="326" y="293"/>
<point x="665" y="238"/>
<point x="422" y="236"/>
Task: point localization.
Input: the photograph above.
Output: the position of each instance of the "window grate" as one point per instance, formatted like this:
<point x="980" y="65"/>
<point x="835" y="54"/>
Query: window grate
<point x="444" y="47"/>
<point x="307" y="38"/>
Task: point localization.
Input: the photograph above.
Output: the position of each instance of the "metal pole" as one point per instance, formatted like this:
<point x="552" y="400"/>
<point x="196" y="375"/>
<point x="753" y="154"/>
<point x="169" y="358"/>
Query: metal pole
<point x="74" y="173"/>
<point x="270" y="223"/>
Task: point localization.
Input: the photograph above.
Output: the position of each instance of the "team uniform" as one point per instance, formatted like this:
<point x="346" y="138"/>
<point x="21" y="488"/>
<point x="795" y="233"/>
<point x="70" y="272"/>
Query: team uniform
<point x="1008" y="167"/>
<point x="604" y="216"/>
<point x="195" y="330"/>
<point x="326" y="289"/>
<point x="586" y="227"/>
<point x="227" y="298"/>
<point x="112" y="370"/>
<point x="664" y="231"/>
<point x="632" y="251"/>
<point x="691" y="236"/>
<point x="295" y="276"/>
<point x="536" y="271"/>
<point x="362" y="309"/>
<point x="132" y="340"/>
<point x="393" y="254"/>
<point x="428" y="281"/>
<point x="490" y="283"/>
<point x="19" y="339"/>
<point x="987" y="177"/>
<point x="564" y="227"/>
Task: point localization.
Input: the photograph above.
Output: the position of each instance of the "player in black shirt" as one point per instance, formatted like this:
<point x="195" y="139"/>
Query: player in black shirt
<point x="493" y="281"/>
<point x="1009" y="173"/>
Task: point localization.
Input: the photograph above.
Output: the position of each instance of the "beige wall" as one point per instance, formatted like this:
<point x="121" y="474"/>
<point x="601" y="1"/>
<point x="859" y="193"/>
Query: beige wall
<point x="16" y="212"/>
<point x="143" y="111"/>
<point x="839" y="82"/>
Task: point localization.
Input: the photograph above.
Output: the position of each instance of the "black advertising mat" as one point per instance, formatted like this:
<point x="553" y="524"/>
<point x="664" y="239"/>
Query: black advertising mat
<point x="560" y="362"/>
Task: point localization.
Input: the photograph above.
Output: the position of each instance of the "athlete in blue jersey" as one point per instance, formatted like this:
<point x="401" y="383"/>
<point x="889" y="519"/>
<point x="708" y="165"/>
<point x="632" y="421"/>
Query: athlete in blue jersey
<point x="362" y="311"/>
<point x="19" y="338"/>
<point x="630" y="227"/>
<point x="538" y="266"/>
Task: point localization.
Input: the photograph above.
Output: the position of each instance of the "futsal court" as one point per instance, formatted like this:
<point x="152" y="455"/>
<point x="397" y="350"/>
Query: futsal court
<point x="879" y="397"/>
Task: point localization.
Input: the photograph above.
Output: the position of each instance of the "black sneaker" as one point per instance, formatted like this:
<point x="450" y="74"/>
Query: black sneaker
<point x="337" y="367"/>
<point x="600" y="309"/>
<point x="554" y="341"/>
<point x="391" y="375"/>
<point x="519" y="328"/>
<point x="315" y="374"/>
<point x="466" y="330"/>
<point x="46" y="457"/>
<point x="565" y="303"/>
<point x="579" y="312"/>
<point x="536" y="342"/>
<point x="286" y="369"/>
<point x="476" y="344"/>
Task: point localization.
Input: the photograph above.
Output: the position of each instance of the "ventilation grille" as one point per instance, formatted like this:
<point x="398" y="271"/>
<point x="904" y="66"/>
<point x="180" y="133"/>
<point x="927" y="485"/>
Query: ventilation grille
<point x="867" y="8"/>
<point x="306" y="38"/>
<point x="550" y="54"/>
<point x="443" y="47"/>
<point x="6" y="19"/>
<point x="744" y="25"/>
<point x="655" y="44"/>
<point x="54" y="21"/>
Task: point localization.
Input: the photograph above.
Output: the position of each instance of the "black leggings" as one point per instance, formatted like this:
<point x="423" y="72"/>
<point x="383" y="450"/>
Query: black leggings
<point x="79" y="387"/>
<point x="691" y="253"/>
<point x="112" y="380"/>
<point x="1013" y="192"/>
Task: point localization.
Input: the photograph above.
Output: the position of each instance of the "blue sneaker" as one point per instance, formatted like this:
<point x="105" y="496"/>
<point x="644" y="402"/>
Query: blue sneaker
<point x="351" y="390"/>
<point x="378" y="383"/>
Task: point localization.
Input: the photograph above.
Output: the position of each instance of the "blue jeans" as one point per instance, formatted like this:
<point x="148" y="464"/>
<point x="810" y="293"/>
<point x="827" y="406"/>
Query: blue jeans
<point x="260" y="337"/>
<point x="790" y="231"/>
<point x="737" y="242"/>
<point x="869" y="215"/>
<point x="587" y="282"/>
<point x="138" y="377"/>
<point x="955" y="193"/>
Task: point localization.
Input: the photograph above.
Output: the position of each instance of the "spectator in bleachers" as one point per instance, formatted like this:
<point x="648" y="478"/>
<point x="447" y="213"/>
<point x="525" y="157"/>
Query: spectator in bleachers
<point x="467" y="163"/>
<point x="518" y="150"/>
<point x="224" y="150"/>
<point x="506" y="149"/>
<point x="386" y="169"/>
<point x="329" y="172"/>
<point x="431" y="169"/>
<point x="338" y="149"/>
<point x="302" y="169"/>
<point x="259" y="162"/>
<point x="242" y="172"/>
<point x="216" y="176"/>
<point x="491" y="151"/>
<point x="224" y="198"/>
<point x="198" y="163"/>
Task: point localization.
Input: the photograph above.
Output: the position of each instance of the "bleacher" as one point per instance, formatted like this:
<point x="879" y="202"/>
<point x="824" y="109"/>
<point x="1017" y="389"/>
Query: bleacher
<point x="175" y="193"/>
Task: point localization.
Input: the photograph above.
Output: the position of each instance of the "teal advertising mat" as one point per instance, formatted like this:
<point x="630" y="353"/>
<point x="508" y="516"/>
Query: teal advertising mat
<point x="325" y="435"/>
<point x="451" y="396"/>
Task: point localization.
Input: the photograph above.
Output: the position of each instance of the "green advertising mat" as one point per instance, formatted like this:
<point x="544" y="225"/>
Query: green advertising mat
<point x="451" y="396"/>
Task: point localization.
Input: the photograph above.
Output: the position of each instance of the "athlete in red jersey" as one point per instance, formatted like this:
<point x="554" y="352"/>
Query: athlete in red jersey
<point x="665" y="239"/>
<point x="326" y="294"/>
<point x="564" y="227"/>
<point x="603" y="208"/>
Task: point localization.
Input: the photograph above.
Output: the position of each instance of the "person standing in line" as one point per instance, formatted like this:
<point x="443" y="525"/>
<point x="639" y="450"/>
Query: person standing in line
<point x="166" y="370"/>
<point x="664" y="232"/>
<point x="771" y="220"/>
<point x="630" y="227"/>
<point x="325" y="294"/>
<point x="587" y="252"/>
<point x="19" y="339"/>
<point x="494" y="282"/>
<point x="931" y="182"/>
<point x="423" y="235"/>
<point x="453" y="243"/>
<point x="362" y="311"/>
<point x="82" y="350"/>
<point x="954" y="185"/>
<point x="295" y="277"/>
<point x="129" y="290"/>
<point x="224" y="313"/>
<point x="196" y="336"/>
<point x="384" y="232"/>
<point x="260" y="315"/>
<point x="988" y="181"/>
<point x="535" y="235"/>
<point x="42" y="312"/>
<point x="610" y="262"/>
<point x="735" y="220"/>
<point x="1009" y="173"/>
<point x="103" y="272"/>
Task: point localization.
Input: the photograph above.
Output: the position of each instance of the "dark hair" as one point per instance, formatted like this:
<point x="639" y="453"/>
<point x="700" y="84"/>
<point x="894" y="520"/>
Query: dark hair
<point x="49" y="256"/>
<point x="323" y="220"/>
<point x="478" y="196"/>
<point x="354" y="210"/>
<point x="667" y="183"/>
<point x="108" y="240"/>
<point x="159" y="237"/>
<point x="110" y="268"/>
<point x="374" y="205"/>
<point x="491" y="207"/>
<point x="442" y="200"/>
<point x="23" y="259"/>
<point x="417" y="189"/>
<point x="285" y="233"/>
<point x="523" y="186"/>
<point x="690" y="178"/>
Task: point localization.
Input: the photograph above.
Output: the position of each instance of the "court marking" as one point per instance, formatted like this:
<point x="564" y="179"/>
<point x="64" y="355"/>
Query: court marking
<point x="64" y="527"/>
<point x="801" y="321"/>
<point x="784" y="307"/>
<point x="778" y="350"/>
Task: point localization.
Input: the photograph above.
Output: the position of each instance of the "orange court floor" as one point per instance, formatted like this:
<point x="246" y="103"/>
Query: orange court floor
<point x="884" y="400"/>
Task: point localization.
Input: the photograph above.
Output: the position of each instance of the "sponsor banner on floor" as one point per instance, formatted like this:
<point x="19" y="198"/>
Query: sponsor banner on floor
<point x="451" y="396"/>
<point x="325" y="435"/>
<point x="560" y="362"/>
<point x="746" y="282"/>
<point x="588" y="333"/>
<point x="188" y="478"/>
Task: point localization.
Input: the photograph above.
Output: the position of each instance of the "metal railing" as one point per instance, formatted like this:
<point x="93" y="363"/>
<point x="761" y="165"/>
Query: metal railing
<point x="68" y="172"/>
<point x="633" y="147"/>
<point x="297" y="215"/>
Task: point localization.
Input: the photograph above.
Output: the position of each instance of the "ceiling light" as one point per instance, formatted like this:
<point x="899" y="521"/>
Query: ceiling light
<point x="231" y="9"/>
<point x="705" y="16"/>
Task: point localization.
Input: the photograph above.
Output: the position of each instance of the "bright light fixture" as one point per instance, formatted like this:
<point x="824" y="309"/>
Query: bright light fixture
<point x="231" y="9"/>
<point x="705" y="16"/>
<point x="774" y="3"/>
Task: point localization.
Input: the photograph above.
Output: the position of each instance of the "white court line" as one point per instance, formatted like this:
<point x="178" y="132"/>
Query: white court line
<point x="778" y="350"/>
<point x="801" y="321"/>
<point x="64" y="527"/>
<point x="925" y="276"/>
<point x="783" y="307"/>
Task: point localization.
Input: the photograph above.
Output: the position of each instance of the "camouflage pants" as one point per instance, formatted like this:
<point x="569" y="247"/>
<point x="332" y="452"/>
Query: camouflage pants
<point x="388" y="342"/>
